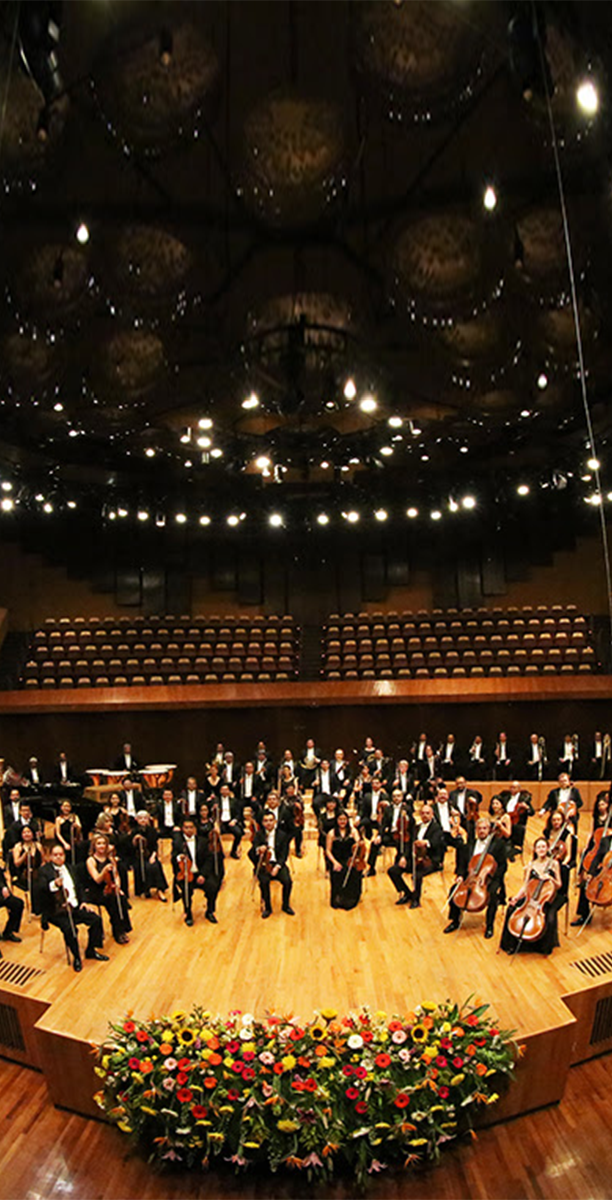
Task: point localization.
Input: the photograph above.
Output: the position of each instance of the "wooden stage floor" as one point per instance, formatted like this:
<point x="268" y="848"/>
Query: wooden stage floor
<point x="379" y="954"/>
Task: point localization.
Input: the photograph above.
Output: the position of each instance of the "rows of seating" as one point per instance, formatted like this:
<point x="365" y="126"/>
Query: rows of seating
<point x="123" y="652"/>
<point x="495" y="641"/>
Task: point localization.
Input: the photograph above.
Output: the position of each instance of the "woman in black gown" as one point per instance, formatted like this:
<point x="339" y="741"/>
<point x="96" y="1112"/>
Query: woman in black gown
<point x="541" y="867"/>
<point x="342" y="852"/>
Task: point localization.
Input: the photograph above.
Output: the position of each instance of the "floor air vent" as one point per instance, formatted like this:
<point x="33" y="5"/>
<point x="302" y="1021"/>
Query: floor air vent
<point x="17" y="974"/>
<point x="599" y="964"/>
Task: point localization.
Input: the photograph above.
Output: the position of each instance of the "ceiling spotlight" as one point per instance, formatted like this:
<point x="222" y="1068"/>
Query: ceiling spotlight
<point x="368" y="404"/>
<point x="351" y="516"/>
<point x="150" y="452"/>
<point x="395" y="422"/>
<point x="542" y="380"/>
<point x="233" y="519"/>
<point x="82" y="234"/>
<point x="216" y="452"/>
<point x="7" y="485"/>
<point x="412" y="512"/>
<point x="122" y="512"/>
<point x="322" y="519"/>
<point x="251" y="401"/>
<point x="414" y="428"/>
<point x="453" y="506"/>
<point x="160" y="520"/>
<point x="436" y="515"/>
<point x="142" y="514"/>
<point x="464" y="449"/>
<point x="6" y="504"/>
<point x="166" y="46"/>
<point x="276" y="520"/>
<point x="204" y="520"/>
<point x="489" y="198"/>
<point x="386" y="451"/>
<point x="523" y="489"/>
<point x="180" y="518"/>
<point x="39" y="497"/>
<point x="469" y="502"/>
<point x="350" y="390"/>
<point x="112" y="515"/>
<point x="524" y="413"/>
<point x="263" y="463"/>
<point x="185" y="437"/>
<point x="205" y="423"/>
<point x="48" y="507"/>
<point x="324" y="466"/>
<point x="587" y="97"/>
<point x="58" y="407"/>
<point x="204" y="443"/>
<point x="593" y="464"/>
<point x="71" y="504"/>
<point x="381" y="514"/>
<point x="595" y="499"/>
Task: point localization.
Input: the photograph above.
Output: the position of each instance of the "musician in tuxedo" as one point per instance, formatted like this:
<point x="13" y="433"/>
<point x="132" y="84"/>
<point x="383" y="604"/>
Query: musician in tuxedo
<point x="568" y="755"/>
<point x="230" y="770"/>
<point x="229" y="813"/>
<point x="32" y="775"/>
<point x="477" y="768"/>
<point x="448" y="758"/>
<point x="60" y="897"/>
<point x="192" y="856"/>
<point x="382" y="768"/>
<point x="14" y="907"/>
<point x="600" y="757"/>
<point x="535" y="765"/>
<point x="417" y="755"/>
<point x="283" y="815"/>
<point x="294" y="807"/>
<point x="561" y="797"/>
<point x="390" y="829"/>
<point x="418" y="861"/>
<point x="126" y="761"/>
<point x="502" y="759"/>
<point x="11" y="808"/>
<point x="370" y="813"/>
<point x="341" y="776"/>
<point x="443" y="810"/>
<point x="429" y="774"/>
<point x="517" y="803"/>
<point x="191" y="798"/>
<point x="403" y="779"/>
<point x="323" y="781"/>
<point x="63" y="771"/>
<point x="464" y="798"/>
<point x="269" y="857"/>
<point x="248" y="791"/>
<point x="264" y="771"/>
<point x="169" y="814"/>
<point x="13" y="833"/>
<point x="477" y="845"/>
<point x="307" y="766"/>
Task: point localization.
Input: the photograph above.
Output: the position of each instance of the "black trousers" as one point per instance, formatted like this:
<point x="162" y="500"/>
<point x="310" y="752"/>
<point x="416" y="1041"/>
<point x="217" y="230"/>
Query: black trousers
<point x="80" y="916"/>
<point x="210" y="887"/>
<point x="283" y="877"/>
<point x="14" y="907"/>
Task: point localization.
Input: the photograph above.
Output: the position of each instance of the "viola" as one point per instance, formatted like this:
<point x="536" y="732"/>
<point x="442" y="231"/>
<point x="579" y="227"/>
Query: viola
<point x="599" y="888"/>
<point x="568" y="810"/>
<point x="380" y="809"/>
<point x="298" y="814"/>
<point x="185" y="869"/>
<point x="402" y="830"/>
<point x="420" y="850"/>
<point x="528" y="919"/>
<point x="265" y="858"/>
<point x="214" y="841"/>
<point x="472" y="894"/>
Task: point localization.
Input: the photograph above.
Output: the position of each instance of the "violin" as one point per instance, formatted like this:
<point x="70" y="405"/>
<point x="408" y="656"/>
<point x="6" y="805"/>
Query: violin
<point x="528" y="919"/>
<point x="472" y="894"/>
<point x="457" y="830"/>
<point x="518" y="810"/>
<point x="420" y="851"/>
<point x="265" y="858"/>
<point x="471" y="808"/>
<point x="185" y="870"/>
<point x="380" y="809"/>
<point x="599" y="888"/>
<point x="214" y="841"/>
<point x="402" y="830"/>
<point x="298" y="814"/>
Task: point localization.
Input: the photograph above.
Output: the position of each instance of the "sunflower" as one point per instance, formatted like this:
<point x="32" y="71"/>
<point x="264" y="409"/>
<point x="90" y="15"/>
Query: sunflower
<point x="186" y="1037"/>
<point x="328" y="1014"/>
<point x="317" y="1032"/>
<point x="419" y="1033"/>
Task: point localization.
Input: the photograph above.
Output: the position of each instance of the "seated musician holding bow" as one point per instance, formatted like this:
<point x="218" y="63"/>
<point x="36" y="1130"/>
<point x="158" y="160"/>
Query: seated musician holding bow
<point x="61" y="903"/>
<point x="269" y="857"/>
<point x="197" y="862"/>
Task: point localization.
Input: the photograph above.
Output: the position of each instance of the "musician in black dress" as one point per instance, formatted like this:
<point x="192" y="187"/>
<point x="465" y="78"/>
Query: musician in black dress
<point x="472" y="853"/>
<point x="61" y="904"/>
<point x="26" y="860"/>
<point x="14" y="907"/>
<point x="69" y="833"/>
<point x="103" y="887"/>
<point x="197" y="866"/>
<point x="326" y="821"/>
<point x="342" y="851"/>
<point x="541" y="868"/>
<point x="269" y="857"/>
<point x="148" y="872"/>
<point x="601" y="822"/>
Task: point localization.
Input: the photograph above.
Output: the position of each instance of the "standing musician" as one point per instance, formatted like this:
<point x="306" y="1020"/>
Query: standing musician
<point x="345" y="853"/>
<point x="248" y="792"/>
<point x="148" y="872"/>
<point x="517" y="802"/>
<point x="227" y="812"/>
<point x="536" y="757"/>
<point x="600" y="758"/>
<point x="126" y="761"/>
<point x="423" y="857"/>
<point x="403" y="779"/>
<point x="11" y="808"/>
<point x="230" y="770"/>
<point x="168" y="813"/>
<point x="568" y="756"/>
<point x="565" y="797"/>
<point x="471" y="866"/>
<point x="197" y="862"/>
<point x="396" y="819"/>
<point x="68" y="832"/>
<point x="370" y="814"/>
<point x="502" y="761"/>
<point x="264" y="770"/>
<point x="476" y="755"/>
<point x="417" y="756"/>
<point x="61" y="904"/>
<point x="542" y="869"/>
<point x="32" y="775"/>
<point x="381" y="768"/>
<point x="103" y="887"/>
<point x="323" y="783"/>
<point x="448" y="757"/>
<point x="63" y="772"/>
<point x="191" y="798"/>
<point x="26" y="861"/>
<point x="14" y="907"/>
<point x="429" y="773"/>
<point x="600" y="841"/>
<point x="340" y="776"/>
<point x="294" y="806"/>
<point x="309" y="762"/>
<point x="269" y="857"/>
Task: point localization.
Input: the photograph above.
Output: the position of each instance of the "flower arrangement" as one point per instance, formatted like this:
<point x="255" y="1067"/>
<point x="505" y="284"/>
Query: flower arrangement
<point x="363" y="1090"/>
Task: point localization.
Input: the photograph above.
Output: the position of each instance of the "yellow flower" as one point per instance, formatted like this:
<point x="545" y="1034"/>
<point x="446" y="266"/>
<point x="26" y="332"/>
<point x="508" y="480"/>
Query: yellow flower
<point x="446" y="1027"/>
<point x="168" y="1035"/>
<point x="203" y="1122"/>
<point x="186" y="1037"/>
<point x="382" y="1125"/>
<point x="207" y="1034"/>
<point x="419" y="1033"/>
<point x="179" y="1015"/>
<point x="428" y="1005"/>
<point x="418" y="1142"/>
<point x="248" y="1046"/>
<point x="287" y="1126"/>
<point x="205" y="1055"/>
<point x="288" y="1062"/>
<point x="216" y="1137"/>
<point x="449" y="1125"/>
<point x="326" y="1061"/>
<point x="151" y="1111"/>
<point x="124" y="1127"/>
<point x="383" y="1036"/>
<point x="251" y="1145"/>
<point x="381" y="1014"/>
<point x="226" y="1108"/>
<point x="437" y="1108"/>
<point x="105" y="1061"/>
<point x="457" y="1079"/>
<point x="99" y="1099"/>
<point x="328" y="1014"/>
<point x="493" y="1098"/>
<point x="317" y="1032"/>
<point x="100" y="1072"/>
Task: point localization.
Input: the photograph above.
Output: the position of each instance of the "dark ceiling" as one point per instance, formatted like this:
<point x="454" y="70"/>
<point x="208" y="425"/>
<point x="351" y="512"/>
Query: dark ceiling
<point x="281" y="196"/>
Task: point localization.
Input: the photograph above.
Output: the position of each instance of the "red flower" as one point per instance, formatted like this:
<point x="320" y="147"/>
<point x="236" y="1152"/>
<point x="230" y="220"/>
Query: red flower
<point x="347" y="1070"/>
<point x="182" y="1078"/>
<point x="441" y="1061"/>
<point x="352" y="1093"/>
<point x="363" y="1018"/>
<point x="361" y="1106"/>
<point x="394" y="1025"/>
<point x="382" y="1060"/>
<point x="184" y="1095"/>
<point x="458" y="1062"/>
<point x="134" y="1064"/>
<point x="443" y="1093"/>
<point x="296" y="1034"/>
<point x="401" y="1100"/>
<point x="238" y="1068"/>
<point x="310" y="1085"/>
<point x="198" y="1112"/>
<point x="248" y="1055"/>
<point x="184" y="1064"/>
<point x="367" y="1035"/>
<point x="233" y="1047"/>
<point x="446" y="1043"/>
<point x="360" y="1072"/>
<point x="472" y="1020"/>
<point x="494" y="1032"/>
<point x="141" y="1036"/>
<point x="128" y="1026"/>
<point x="278" y="1068"/>
<point x="297" y="1085"/>
<point x="233" y="1094"/>
<point x="481" y="1041"/>
<point x="248" y="1073"/>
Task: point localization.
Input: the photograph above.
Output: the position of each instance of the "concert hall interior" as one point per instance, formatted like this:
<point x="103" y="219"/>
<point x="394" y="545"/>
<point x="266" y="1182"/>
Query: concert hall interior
<point x="305" y="360"/>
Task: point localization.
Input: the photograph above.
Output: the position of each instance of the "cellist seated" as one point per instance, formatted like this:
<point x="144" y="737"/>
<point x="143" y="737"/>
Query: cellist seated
<point x="531" y="916"/>
<point x="480" y="866"/>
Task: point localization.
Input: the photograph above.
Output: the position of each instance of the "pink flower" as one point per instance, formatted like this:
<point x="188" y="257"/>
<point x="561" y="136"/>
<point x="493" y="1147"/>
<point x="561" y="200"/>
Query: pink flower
<point x="169" y="1085"/>
<point x="266" y="1058"/>
<point x="170" y="1064"/>
<point x="398" y="1036"/>
<point x="267" y="1090"/>
<point x="404" y="1055"/>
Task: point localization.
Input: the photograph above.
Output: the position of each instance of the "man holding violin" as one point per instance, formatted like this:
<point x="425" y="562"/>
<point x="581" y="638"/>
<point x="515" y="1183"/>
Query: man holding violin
<point x="480" y="866"/>
<point x="395" y="828"/>
<point x="197" y="862"/>
<point x="269" y="857"/>
<point x="61" y="905"/>
<point x="423" y="857"/>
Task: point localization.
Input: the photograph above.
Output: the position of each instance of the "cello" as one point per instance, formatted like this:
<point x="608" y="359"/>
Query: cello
<point x="472" y="893"/>
<point x="599" y="888"/>
<point x="590" y="855"/>
<point x="527" y="921"/>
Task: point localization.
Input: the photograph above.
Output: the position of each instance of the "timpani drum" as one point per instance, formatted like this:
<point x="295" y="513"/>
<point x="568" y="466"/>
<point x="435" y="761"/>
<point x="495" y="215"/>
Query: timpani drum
<point x="103" y="778"/>
<point x="158" y="775"/>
